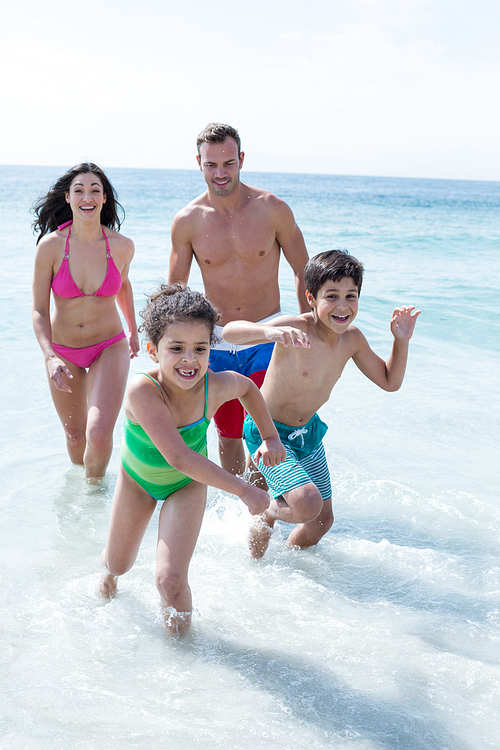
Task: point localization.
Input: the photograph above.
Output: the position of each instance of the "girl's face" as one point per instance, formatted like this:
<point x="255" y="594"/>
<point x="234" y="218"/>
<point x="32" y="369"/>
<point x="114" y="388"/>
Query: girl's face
<point x="86" y="195"/>
<point x="182" y="353"/>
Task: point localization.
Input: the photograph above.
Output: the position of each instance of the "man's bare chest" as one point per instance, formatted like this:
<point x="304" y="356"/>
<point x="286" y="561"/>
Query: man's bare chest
<point x="240" y="242"/>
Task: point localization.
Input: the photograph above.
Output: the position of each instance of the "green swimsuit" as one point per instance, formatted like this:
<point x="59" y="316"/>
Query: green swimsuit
<point x="146" y="465"/>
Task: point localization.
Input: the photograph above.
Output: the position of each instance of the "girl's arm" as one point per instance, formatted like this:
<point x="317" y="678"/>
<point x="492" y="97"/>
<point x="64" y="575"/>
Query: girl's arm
<point x="42" y="280"/>
<point x="233" y="385"/>
<point x="389" y="375"/>
<point x="155" y="418"/>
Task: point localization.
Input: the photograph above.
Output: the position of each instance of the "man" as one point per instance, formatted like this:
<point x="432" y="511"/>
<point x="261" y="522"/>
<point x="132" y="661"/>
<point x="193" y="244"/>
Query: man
<point x="236" y="234"/>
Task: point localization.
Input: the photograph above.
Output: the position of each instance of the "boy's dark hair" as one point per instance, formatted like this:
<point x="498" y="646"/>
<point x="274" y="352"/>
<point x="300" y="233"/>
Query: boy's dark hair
<point x="217" y="132"/>
<point x="332" y="265"/>
<point x="52" y="209"/>
<point x="174" y="303"/>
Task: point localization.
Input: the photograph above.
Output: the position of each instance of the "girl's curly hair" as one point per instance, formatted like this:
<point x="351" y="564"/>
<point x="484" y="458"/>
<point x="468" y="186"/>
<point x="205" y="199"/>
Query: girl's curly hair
<point x="174" y="303"/>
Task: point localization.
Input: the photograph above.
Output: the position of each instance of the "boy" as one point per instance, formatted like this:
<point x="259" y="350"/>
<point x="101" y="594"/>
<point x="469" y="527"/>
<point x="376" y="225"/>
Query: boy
<point x="313" y="349"/>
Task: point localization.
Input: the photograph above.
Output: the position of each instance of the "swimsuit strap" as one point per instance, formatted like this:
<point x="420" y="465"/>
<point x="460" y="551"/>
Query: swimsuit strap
<point x="108" y="251"/>
<point x="66" y="249"/>
<point x="154" y="381"/>
<point x="159" y="388"/>
<point x="66" y="224"/>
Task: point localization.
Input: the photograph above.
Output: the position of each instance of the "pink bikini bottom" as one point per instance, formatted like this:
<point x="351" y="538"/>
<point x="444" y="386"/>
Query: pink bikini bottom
<point x="88" y="354"/>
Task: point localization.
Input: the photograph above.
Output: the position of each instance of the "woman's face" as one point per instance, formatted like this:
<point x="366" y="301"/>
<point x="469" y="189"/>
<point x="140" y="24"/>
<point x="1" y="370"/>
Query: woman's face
<point x="86" y="196"/>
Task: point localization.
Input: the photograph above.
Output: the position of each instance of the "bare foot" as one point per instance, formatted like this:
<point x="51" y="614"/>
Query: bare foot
<point x="259" y="537"/>
<point x="108" y="585"/>
<point x="178" y="623"/>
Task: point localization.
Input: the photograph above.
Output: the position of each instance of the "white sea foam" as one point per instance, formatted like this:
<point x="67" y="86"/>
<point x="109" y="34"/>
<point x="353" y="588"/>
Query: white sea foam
<point x="387" y="635"/>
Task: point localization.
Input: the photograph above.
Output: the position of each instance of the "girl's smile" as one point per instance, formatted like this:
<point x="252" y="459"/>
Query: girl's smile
<point x="182" y="353"/>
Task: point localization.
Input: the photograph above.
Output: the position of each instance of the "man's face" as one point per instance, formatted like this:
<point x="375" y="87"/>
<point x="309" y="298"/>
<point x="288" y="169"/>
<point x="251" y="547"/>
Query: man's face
<point x="220" y="165"/>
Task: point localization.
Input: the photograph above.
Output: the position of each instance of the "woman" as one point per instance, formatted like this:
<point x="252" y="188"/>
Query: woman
<point x="84" y="260"/>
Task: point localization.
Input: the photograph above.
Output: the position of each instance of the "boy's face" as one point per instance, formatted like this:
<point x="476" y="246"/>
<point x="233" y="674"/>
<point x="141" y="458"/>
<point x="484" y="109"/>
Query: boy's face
<point x="336" y="304"/>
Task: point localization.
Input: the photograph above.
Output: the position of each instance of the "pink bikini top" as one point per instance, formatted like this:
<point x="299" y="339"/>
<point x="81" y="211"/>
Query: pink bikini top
<point x="64" y="285"/>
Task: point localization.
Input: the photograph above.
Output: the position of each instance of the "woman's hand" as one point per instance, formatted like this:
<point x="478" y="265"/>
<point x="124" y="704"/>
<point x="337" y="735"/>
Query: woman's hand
<point x="134" y="344"/>
<point x="56" y="369"/>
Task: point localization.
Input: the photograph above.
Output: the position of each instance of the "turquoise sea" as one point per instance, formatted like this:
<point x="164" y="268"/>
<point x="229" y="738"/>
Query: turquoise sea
<point x="384" y="637"/>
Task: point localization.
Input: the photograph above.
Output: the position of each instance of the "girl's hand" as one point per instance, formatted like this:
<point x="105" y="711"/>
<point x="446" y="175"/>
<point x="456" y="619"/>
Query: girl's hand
<point x="134" y="344"/>
<point x="256" y="500"/>
<point x="271" y="451"/>
<point x="403" y="322"/>
<point x="288" y="336"/>
<point x="56" y="369"/>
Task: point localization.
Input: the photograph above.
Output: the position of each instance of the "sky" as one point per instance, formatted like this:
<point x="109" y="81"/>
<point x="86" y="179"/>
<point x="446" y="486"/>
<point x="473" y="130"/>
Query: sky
<point x="407" y="88"/>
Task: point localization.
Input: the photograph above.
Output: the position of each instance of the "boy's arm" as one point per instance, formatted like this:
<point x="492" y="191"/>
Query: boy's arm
<point x="280" y="330"/>
<point x="389" y="375"/>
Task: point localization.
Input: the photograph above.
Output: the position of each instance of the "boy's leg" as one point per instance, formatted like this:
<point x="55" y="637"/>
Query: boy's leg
<point x="308" y="534"/>
<point x="301" y="506"/>
<point x="180" y="521"/>
<point x="130" y="514"/>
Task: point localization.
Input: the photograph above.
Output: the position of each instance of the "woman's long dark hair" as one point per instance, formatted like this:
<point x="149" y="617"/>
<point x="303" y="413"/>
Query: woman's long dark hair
<point x="52" y="209"/>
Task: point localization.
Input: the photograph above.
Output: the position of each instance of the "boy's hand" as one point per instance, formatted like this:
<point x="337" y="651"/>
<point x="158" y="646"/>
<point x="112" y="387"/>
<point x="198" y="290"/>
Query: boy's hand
<point x="271" y="451"/>
<point x="403" y="322"/>
<point x="256" y="500"/>
<point x="287" y="336"/>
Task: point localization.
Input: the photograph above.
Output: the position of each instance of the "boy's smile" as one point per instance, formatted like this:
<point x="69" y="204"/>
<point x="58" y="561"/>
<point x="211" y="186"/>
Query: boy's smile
<point x="336" y="304"/>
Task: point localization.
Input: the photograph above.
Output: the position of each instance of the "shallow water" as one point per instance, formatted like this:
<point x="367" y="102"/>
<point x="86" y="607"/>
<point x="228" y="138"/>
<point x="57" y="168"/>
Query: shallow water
<point x="387" y="634"/>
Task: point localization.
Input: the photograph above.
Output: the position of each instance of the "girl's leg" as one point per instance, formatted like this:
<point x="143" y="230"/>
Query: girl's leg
<point x="106" y="381"/>
<point x="72" y="411"/>
<point x="130" y="514"/>
<point x="180" y="522"/>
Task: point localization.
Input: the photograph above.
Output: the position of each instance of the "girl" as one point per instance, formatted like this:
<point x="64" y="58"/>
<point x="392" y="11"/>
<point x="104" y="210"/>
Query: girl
<point x="83" y="342"/>
<point x="164" y="447"/>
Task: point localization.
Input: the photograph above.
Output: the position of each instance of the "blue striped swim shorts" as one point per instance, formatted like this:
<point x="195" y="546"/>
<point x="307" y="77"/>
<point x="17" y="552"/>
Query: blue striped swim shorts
<point x="305" y="457"/>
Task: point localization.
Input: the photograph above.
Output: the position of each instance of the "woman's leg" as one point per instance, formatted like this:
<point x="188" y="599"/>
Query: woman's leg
<point x="106" y="381"/>
<point x="130" y="514"/>
<point x="72" y="411"/>
<point x="180" y="521"/>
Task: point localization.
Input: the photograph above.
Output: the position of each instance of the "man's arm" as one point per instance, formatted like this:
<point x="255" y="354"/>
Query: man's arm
<point x="181" y="254"/>
<point x="294" y="249"/>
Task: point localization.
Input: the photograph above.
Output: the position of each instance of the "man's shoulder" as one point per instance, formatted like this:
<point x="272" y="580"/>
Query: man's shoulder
<point x="189" y="214"/>
<point x="267" y="204"/>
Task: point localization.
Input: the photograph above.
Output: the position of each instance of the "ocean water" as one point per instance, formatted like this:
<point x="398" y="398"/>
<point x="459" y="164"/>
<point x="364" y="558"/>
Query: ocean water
<point x="384" y="637"/>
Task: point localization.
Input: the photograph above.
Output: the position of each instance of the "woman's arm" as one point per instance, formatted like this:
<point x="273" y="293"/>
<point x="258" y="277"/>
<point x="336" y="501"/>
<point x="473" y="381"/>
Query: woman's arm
<point x="125" y="300"/>
<point x="42" y="280"/>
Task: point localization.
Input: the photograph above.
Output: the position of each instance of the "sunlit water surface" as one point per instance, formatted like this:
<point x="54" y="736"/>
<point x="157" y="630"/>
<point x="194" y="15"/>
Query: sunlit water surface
<point x="385" y="636"/>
